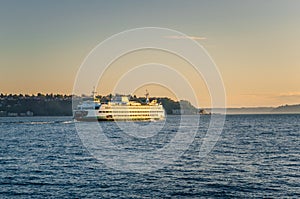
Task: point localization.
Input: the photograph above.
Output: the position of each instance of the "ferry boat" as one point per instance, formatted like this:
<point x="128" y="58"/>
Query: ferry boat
<point x="119" y="108"/>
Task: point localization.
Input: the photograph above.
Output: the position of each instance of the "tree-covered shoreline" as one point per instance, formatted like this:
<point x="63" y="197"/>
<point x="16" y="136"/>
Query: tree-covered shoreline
<point x="61" y="105"/>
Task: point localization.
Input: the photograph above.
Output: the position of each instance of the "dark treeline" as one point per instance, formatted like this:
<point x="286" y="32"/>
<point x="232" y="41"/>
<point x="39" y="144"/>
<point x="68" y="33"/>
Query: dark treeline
<point x="61" y="105"/>
<point x="38" y="105"/>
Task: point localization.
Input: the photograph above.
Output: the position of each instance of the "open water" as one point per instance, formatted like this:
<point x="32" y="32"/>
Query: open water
<point x="255" y="156"/>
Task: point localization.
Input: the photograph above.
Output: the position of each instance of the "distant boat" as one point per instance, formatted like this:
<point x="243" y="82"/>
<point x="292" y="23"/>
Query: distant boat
<point x="119" y="108"/>
<point x="204" y="112"/>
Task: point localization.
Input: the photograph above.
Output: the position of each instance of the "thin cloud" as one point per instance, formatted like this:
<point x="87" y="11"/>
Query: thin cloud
<point x="296" y="94"/>
<point x="280" y="95"/>
<point x="185" y="37"/>
<point x="290" y="95"/>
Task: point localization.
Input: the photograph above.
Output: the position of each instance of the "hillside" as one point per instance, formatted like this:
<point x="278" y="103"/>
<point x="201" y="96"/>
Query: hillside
<point x="287" y="109"/>
<point x="61" y="105"/>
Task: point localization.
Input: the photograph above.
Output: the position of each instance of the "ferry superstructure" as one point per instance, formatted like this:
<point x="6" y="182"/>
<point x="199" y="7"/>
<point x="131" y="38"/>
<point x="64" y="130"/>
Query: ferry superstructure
<point x="119" y="108"/>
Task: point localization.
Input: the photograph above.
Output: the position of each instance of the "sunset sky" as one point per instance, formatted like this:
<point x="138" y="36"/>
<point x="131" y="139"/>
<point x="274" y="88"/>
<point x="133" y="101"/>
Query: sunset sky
<point x="254" y="43"/>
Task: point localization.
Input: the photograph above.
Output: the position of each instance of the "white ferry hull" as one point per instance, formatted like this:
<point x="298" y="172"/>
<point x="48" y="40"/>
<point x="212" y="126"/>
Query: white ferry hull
<point x="121" y="113"/>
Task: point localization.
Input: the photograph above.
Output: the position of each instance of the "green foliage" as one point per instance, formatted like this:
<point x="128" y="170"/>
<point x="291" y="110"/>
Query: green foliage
<point x="40" y="105"/>
<point x="169" y="105"/>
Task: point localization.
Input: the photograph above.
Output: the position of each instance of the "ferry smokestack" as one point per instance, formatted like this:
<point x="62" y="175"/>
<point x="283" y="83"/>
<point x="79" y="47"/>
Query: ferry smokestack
<point x="147" y="96"/>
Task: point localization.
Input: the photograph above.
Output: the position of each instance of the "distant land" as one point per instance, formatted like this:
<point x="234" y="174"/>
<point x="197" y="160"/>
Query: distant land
<point x="291" y="109"/>
<point x="14" y="105"/>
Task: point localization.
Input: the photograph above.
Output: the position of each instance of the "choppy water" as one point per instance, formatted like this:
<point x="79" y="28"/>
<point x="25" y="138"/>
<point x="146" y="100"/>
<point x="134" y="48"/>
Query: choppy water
<point x="256" y="156"/>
